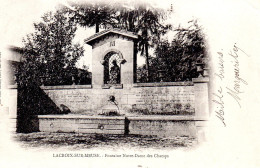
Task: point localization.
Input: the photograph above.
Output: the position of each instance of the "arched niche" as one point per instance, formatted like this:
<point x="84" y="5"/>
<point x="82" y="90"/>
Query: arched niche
<point x="112" y="61"/>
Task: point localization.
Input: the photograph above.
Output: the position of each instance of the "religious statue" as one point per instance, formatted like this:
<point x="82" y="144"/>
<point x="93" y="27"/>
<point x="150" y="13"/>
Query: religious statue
<point x="114" y="74"/>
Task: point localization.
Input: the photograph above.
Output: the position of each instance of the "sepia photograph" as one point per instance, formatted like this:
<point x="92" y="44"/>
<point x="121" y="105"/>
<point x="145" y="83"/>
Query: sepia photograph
<point x="129" y="83"/>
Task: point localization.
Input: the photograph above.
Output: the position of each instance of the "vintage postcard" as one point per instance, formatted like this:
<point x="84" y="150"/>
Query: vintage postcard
<point x="138" y="84"/>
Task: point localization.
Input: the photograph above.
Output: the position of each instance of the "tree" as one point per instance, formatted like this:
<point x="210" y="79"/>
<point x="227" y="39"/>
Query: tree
<point x="147" y="22"/>
<point x="151" y="31"/>
<point x="49" y="51"/>
<point x="178" y="59"/>
<point x="91" y="14"/>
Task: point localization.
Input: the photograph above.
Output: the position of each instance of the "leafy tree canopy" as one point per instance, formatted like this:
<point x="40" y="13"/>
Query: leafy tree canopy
<point x="90" y="14"/>
<point x="176" y="60"/>
<point x="49" y="51"/>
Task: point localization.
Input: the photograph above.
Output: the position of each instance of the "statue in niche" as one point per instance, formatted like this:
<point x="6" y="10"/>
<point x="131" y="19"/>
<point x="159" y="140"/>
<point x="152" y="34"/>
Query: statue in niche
<point x="114" y="74"/>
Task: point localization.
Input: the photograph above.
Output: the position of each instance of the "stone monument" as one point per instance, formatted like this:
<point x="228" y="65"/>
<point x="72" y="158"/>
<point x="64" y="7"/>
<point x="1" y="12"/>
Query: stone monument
<point x="125" y="106"/>
<point x="114" y="54"/>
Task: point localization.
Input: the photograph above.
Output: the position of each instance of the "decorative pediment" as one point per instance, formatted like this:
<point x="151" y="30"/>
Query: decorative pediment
<point x="96" y="37"/>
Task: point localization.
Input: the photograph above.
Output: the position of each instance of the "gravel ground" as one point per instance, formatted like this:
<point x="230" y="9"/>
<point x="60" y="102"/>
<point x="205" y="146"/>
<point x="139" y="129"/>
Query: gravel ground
<point x="77" y="141"/>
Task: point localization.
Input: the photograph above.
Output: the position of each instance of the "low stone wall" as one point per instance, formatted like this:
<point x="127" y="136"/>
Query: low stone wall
<point x="163" y="126"/>
<point x="152" y="98"/>
<point x="160" y="126"/>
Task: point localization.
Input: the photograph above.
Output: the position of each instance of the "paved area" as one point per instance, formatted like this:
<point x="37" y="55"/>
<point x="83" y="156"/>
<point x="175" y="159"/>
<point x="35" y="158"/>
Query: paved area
<point x="86" y="141"/>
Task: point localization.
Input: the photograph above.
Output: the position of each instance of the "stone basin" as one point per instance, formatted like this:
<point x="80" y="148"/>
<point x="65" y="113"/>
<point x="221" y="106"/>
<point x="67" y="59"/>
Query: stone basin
<point x="82" y="124"/>
<point x="163" y="126"/>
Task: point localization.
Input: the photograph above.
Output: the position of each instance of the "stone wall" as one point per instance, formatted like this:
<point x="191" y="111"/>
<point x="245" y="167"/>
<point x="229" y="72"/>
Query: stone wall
<point x="151" y="98"/>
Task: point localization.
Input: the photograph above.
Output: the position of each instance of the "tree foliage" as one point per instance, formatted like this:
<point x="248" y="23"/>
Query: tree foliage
<point x="147" y="22"/>
<point x="49" y="53"/>
<point x="176" y="60"/>
<point x="89" y="14"/>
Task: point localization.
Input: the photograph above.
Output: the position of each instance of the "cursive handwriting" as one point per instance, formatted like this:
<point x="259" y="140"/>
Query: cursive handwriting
<point x="235" y="91"/>
<point x="221" y="71"/>
<point x="218" y="100"/>
<point x="218" y="96"/>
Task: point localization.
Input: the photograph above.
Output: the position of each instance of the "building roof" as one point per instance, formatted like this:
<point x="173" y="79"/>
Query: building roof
<point x="15" y="53"/>
<point x="98" y="35"/>
<point x="16" y="49"/>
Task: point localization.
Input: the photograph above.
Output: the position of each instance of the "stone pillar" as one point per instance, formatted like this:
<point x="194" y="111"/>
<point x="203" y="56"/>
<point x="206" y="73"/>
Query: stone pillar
<point x="9" y="95"/>
<point x="201" y="97"/>
<point x="201" y="101"/>
<point x="11" y="59"/>
<point x="12" y="104"/>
